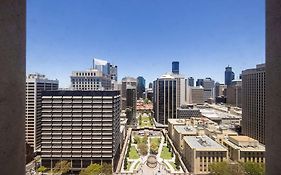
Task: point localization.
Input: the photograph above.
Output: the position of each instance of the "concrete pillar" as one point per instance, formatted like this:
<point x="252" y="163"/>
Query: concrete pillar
<point x="12" y="86"/>
<point x="273" y="87"/>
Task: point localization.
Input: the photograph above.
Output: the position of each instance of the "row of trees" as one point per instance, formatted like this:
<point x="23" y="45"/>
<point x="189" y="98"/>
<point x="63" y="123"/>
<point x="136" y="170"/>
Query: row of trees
<point x="96" y="169"/>
<point x="226" y="168"/>
<point x="63" y="167"/>
<point x="60" y="167"/>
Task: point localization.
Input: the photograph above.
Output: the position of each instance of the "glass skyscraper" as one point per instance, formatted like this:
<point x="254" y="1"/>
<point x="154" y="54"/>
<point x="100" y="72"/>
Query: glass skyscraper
<point x="175" y="67"/>
<point x="228" y="75"/>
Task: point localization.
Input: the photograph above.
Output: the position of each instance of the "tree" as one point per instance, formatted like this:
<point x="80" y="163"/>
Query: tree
<point x="219" y="168"/>
<point x="225" y="168"/>
<point x="144" y="139"/>
<point x="125" y="164"/>
<point x="106" y="169"/>
<point x="61" y="167"/>
<point x="153" y="148"/>
<point x="252" y="168"/>
<point x="177" y="162"/>
<point x="137" y="139"/>
<point x="92" y="169"/>
<point x="142" y="148"/>
<point x="41" y="169"/>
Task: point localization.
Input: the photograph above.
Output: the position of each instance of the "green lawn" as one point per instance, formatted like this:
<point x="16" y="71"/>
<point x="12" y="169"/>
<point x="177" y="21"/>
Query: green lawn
<point x="145" y="122"/>
<point x="166" y="154"/>
<point x="133" y="154"/>
<point x="155" y="140"/>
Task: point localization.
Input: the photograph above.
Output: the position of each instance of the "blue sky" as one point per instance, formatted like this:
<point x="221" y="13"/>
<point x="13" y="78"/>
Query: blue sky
<point x="143" y="37"/>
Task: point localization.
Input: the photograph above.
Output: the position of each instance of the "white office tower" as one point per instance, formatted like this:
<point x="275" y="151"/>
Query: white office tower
<point x="35" y="84"/>
<point x="170" y="92"/>
<point x="92" y="79"/>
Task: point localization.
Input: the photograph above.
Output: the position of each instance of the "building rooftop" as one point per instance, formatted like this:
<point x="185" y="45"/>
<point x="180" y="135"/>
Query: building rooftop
<point x="185" y="129"/>
<point x="203" y="143"/>
<point x="245" y="143"/>
<point x="177" y="121"/>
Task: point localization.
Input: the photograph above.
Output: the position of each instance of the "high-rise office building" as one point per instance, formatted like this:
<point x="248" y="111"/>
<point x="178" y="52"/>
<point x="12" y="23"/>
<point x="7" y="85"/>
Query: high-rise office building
<point x="170" y="92"/>
<point x="208" y="85"/>
<point x="101" y="65"/>
<point x="113" y="72"/>
<point x="253" y="103"/>
<point x="197" y="95"/>
<point x="35" y="84"/>
<point x="220" y="89"/>
<point x="228" y="75"/>
<point x="150" y="85"/>
<point x="234" y="93"/>
<point x="81" y="127"/>
<point x="127" y="82"/>
<point x="140" y="87"/>
<point x="92" y="79"/>
<point x="199" y="82"/>
<point x="106" y="68"/>
<point x="191" y="81"/>
<point x="131" y="101"/>
<point x="175" y="67"/>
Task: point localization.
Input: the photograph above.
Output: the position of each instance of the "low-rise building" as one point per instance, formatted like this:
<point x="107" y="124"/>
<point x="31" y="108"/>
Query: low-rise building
<point x="220" y="134"/>
<point x="201" y="151"/>
<point x="180" y="132"/>
<point x="188" y="111"/>
<point x="244" y="148"/>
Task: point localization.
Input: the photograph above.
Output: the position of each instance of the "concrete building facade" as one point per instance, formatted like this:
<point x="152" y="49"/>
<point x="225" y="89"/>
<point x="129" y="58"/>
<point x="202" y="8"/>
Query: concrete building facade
<point x="273" y="86"/>
<point x="81" y="127"/>
<point x="234" y="93"/>
<point x="245" y="149"/>
<point x="35" y="84"/>
<point x="201" y="151"/>
<point x="170" y="92"/>
<point x="197" y="95"/>
<point x="92" y="79"/>
<point x="253" y="102"/>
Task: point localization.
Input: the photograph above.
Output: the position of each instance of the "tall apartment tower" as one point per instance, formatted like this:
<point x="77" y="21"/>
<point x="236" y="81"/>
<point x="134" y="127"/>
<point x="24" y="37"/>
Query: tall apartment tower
<point x="228" y="75"/>
<point x="175" y="67"/>
<point x="81" y="127"/>
<point x="190" y="81"/>
<point x="92" y="79"/>
<point x="170" y="92"/>
<point x="127" y="81"/>
<point x="253" y="102"/>
<point x="35" y="84"/>
<point x="140" y="87"/>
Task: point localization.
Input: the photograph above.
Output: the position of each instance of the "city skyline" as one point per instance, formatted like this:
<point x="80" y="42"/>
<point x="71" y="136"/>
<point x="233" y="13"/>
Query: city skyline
<point x="114" y="31"/>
